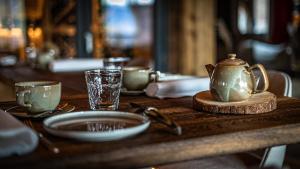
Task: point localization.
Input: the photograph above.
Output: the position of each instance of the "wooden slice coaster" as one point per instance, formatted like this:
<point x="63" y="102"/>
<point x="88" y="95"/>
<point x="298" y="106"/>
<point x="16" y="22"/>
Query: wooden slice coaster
<point x="257" y="103"/>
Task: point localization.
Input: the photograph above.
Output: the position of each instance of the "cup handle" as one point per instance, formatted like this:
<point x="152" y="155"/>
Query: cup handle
<point x="21" y="98"/>
<point x="265" y="77"/>
<point x="154" y="76"/>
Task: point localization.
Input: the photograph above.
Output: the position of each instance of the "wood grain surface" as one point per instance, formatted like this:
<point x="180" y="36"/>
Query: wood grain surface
<point x="204" y="134"/>
<point x="257" y="103"/>
<point x="73" y="83"/>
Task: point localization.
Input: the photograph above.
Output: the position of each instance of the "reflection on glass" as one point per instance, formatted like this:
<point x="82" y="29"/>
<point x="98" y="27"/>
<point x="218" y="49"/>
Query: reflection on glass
<point x="121" y="26"/>
<point x="128" y="28"/>
<point x="261" y="16"/>
<point x="35" y="35"/>
<point x="256" y="22"/>
<point x="105" y="126"/>
<point x="244" y="22"/>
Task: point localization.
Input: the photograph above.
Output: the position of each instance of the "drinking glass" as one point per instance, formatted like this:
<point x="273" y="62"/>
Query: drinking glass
<point x="103" y="87"/>
<point x="116" y="62"/>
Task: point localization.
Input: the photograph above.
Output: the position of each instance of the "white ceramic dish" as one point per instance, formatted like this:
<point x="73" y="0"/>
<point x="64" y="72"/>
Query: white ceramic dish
<point x="96" y="125"/>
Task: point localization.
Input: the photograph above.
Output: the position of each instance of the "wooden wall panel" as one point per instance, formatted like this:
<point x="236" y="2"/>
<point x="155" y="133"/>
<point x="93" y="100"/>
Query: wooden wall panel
<point x="174" y="30"/>
<point x="205" y="33"/>
<point x="97" y="29"/>
<point x="192" y="43"/>
<point x="188" y="27"/>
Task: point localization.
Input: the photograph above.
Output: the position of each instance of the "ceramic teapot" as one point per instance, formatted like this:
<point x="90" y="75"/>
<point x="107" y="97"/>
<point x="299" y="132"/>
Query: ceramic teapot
<point x="233" y="79"/>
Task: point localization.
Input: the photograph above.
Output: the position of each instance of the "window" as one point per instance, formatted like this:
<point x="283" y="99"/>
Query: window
<point x="12" y="27"/>
<point x="128" y="28"/>
<point x="261" y="12"/>
<point x="104" y="28"/>
<point x="254" y="17"/>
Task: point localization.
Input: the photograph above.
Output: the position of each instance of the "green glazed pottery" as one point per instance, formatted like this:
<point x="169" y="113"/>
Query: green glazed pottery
<point x="136" y="78"/>
<point x="38" y="96"/>
<point x="233" y="79"/>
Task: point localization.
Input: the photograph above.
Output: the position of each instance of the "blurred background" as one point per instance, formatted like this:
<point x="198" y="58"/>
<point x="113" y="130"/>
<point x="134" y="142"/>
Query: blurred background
<point x="77" y="28"/>
<point x="177" y="36"/>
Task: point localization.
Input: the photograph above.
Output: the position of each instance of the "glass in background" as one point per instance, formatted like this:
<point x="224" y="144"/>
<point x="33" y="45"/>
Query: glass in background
<point x="116" y="62"/>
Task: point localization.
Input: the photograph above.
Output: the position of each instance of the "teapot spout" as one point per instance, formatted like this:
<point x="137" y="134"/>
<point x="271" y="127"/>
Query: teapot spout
<point x="210" y="68"/>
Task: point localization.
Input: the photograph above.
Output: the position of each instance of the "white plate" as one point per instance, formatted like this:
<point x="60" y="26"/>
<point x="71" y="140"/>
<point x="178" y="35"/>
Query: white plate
<point x="96" y="125"/>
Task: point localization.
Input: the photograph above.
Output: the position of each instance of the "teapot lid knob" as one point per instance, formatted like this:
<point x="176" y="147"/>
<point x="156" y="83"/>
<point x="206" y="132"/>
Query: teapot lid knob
<point x="232" y="61"/>
<point x="231" y="55"/>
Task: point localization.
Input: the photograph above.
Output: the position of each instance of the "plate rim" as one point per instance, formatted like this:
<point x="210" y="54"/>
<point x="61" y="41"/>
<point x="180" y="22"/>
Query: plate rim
<point x="97" y="136"/>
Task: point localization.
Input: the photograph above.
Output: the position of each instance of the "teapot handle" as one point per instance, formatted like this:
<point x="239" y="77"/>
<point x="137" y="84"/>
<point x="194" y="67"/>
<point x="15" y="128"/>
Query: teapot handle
<point x="265" y="77"/>
<point x="154" y="76"/>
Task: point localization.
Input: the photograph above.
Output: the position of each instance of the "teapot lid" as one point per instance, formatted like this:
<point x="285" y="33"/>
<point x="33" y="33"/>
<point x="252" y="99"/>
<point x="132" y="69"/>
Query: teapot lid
<point x="232" y="61"/>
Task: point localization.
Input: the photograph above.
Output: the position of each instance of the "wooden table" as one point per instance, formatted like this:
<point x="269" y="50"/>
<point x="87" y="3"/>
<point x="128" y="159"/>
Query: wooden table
<point x="73" y="84"/>
<point x="204" y="135"/>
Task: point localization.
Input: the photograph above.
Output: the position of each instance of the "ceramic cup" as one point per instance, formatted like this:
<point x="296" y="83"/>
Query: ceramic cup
<point x="136" y="78"/>
<point x="38" y="96"/>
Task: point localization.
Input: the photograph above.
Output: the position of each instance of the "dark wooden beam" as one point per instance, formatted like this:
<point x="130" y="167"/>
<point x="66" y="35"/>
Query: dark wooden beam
<point x="161" y="35"/>
<point x="83" y="22"/>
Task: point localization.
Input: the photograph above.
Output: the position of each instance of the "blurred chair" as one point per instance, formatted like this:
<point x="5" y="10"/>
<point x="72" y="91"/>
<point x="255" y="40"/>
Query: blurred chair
<point x="273" y="157"/>
<point x="272" y="56"/>
<point x="280" y="85"/>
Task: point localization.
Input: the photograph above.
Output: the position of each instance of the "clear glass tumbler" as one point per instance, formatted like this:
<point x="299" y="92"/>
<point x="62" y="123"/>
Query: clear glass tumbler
<point x="116" y="62"/>
<point x="103" y="87"/>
